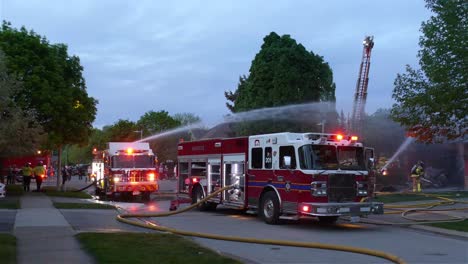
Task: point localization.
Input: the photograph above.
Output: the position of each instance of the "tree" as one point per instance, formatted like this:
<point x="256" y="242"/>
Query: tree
<point x="282" y="73"/>
<point x="20" y="133"/>
<point x="186" y="118"/>
<point x="53" y="86"/>
<point x="121" y="131"/>
<point x="432" y="102"/>
<point x="154" y="122"/>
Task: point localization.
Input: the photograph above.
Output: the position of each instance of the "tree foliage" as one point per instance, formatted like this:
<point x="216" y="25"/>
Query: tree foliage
<point x="53" y="85"/>
<point x="432" y="102"/>
<point x="20" y="133"/>
<point x="282" y="73"/>
<point x="153" y="122"/>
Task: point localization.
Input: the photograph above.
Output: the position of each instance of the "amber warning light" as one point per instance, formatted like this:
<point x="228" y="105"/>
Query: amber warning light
<point x="129" y="151"/>
<point x="354" y="138"/>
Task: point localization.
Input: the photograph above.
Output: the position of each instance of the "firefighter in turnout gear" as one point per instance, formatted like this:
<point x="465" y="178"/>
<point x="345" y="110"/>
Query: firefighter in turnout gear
<point x="27" y="172"/>
<point x="39" y="172"/>
<point x="416" y="173"/>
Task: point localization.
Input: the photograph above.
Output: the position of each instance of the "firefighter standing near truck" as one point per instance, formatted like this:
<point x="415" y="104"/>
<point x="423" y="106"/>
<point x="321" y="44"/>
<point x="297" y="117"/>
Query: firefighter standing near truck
<point x="27" y="172"/>
<point x="416" y="173"/>
<point x="39" y="172"/>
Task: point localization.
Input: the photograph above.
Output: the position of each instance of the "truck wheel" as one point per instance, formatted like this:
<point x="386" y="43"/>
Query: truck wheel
<point x="269" y="208"/>
<point x="328" y="219"/>
<point x="198" y="196"/>
<point x="145" y="196"/>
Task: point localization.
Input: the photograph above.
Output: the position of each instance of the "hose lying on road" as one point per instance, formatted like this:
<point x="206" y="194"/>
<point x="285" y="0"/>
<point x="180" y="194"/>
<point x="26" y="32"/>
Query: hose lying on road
<point x="407" y="209"/>
<point x="86" y="187"/>
<point x="146" y="224"/>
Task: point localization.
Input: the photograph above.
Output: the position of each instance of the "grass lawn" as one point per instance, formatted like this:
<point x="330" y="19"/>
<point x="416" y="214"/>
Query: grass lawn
<point x="52" y="191"/>
<point x="14" y="190"/>
<point x="141" y="248"/>
<point x="7" y="248"/>
<point x="10" y="203"/>
<point x="83" y="206"/>
<point x="404" y="197"/>
<point x="458" y="226"/>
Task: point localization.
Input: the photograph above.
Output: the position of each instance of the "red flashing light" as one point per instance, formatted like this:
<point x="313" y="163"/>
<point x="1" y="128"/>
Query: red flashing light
<point x="305" y="208"/>
<point x="195" y="180"/>
<point x="151" y="176"/>
<point x="129" y="151"/>
<point x="339" y="137"/>
<point x="384" y="173"/>
<point x="354" y="138"/>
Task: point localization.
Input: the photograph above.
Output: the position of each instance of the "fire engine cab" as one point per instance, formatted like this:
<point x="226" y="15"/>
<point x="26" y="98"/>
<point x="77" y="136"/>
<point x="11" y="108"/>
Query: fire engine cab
<point x="125" y="168"/>
<point x="279" y="176"/>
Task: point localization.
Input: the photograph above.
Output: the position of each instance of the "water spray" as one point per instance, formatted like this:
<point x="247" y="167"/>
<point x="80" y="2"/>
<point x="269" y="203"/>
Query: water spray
<point x="402" y="147"/>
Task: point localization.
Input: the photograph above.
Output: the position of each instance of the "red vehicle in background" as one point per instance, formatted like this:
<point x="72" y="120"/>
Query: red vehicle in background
<point x="18" y="162"/>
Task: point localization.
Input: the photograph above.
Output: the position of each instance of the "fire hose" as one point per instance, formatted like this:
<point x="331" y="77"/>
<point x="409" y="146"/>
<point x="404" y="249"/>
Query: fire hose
<point x="406" y="210"/>
<point x="147" y="224"/>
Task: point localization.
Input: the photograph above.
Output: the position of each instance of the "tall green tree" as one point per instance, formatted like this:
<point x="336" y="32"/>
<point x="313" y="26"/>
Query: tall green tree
<point x="53" y="85"/>
<point x="20" y="133"/>
<point x="432" y="102"/>
<point x="282" y="73"/>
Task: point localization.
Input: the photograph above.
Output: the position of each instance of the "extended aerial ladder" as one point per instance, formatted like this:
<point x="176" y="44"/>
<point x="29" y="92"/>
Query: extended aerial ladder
<point x="361" y="86"/>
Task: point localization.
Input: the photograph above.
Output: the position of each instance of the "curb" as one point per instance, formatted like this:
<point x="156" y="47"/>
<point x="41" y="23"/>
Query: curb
<point x="441" y="231"/>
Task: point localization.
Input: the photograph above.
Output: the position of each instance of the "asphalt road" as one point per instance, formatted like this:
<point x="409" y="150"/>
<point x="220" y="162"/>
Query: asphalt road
<point x="411" y="245"/>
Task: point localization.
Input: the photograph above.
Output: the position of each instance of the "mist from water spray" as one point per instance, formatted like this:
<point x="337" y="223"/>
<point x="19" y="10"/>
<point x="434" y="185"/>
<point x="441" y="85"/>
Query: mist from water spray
<point x="172" y="132"/>
<point x="298" y="112"/>
<point x="400" y="150"/>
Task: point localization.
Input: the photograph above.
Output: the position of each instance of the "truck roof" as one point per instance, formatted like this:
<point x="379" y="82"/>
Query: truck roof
<point x="116" y="147"/>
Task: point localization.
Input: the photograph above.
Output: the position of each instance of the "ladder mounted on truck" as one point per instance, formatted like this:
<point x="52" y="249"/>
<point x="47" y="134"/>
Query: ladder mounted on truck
<point x="361" y="86"/>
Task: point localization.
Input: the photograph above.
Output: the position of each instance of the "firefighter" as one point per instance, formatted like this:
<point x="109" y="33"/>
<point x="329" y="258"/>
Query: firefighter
<point x="416" y="173"/>
<point x="27" y="172"/>
<point x="39" y="172"/>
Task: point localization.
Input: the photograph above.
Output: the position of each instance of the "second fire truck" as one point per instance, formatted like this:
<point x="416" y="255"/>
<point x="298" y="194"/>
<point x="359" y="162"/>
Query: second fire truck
<point x="125" y="168"/>
<point x="279" y="176"/>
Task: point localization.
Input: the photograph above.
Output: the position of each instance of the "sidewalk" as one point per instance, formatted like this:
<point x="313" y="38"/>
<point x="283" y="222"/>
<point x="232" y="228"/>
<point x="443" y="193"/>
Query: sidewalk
<point x="43" y="235"/>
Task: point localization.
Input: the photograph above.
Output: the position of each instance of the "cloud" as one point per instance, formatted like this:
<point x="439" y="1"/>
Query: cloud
<point x="182" y="56"/>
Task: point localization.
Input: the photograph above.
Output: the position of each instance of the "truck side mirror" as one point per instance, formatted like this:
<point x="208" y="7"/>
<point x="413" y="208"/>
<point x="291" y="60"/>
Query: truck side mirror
<point x="370" y="163"/>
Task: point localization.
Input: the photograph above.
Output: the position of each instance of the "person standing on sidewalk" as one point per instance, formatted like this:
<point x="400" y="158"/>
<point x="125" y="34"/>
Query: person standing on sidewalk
<point x="11" y="175"/>
<point x="39" y="172"/>
<point x="27" y="172"/>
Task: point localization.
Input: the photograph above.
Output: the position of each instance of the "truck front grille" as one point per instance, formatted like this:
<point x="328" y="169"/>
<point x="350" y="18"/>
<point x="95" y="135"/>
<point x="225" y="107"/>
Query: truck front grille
<point x="341" y="188"/>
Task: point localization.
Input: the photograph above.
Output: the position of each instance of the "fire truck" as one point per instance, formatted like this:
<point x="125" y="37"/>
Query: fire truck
<point x="125" y="168"/>
<point x="279" y="176"/>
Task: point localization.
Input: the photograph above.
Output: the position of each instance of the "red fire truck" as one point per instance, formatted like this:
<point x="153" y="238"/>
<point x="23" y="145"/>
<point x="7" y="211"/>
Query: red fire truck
<point x="279" y="176"/>
<point x="125" y="168"/>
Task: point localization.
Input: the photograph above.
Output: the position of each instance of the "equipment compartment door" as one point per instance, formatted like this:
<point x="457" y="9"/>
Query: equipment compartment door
<point x="214" y="175"/>
<point x="234" y="174"/>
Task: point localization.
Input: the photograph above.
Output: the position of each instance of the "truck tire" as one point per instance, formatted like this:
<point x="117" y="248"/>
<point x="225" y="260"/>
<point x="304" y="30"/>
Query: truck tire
<point x="145" y="196"/>
<point x="327" y="219"/>
<point x="269" y="208"/>
<point x="198" y="196"/>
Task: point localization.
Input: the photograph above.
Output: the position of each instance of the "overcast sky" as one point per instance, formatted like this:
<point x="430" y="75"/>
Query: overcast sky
<point x="180" y="56"/>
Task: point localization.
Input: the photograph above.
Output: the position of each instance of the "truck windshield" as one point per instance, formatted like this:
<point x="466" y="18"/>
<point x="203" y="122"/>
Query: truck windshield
<point x="351" y="158"/>
<point x="327" y="157"/>
<point x="133" y="161"/>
